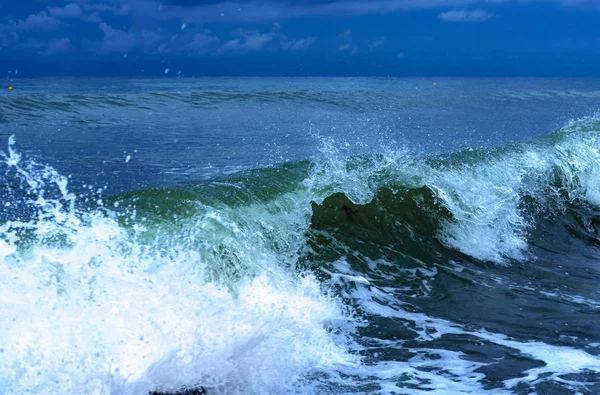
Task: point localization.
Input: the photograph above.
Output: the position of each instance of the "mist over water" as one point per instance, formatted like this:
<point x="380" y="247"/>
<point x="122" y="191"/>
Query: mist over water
<point x="302" y="236"/>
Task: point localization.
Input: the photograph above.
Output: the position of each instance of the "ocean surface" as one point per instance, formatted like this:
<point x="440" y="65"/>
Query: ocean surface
<point x="300" y="236"/>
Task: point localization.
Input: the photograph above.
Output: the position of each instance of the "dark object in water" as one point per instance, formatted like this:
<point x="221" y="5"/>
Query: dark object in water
<point x="197" y="391"/>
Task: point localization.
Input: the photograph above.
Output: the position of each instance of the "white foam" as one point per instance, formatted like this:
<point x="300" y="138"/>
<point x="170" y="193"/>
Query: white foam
<point x="579" y="158"/>
<point x="90" y="308"/>
<point x="462" y="377"/>
<point x="87" y="307"/>
<point x="484" y="198"/>
<point x="121" y="330"/>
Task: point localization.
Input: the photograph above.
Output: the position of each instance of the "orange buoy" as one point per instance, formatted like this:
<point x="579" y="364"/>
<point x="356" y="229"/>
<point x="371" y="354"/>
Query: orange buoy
<point x="10" y="88"/>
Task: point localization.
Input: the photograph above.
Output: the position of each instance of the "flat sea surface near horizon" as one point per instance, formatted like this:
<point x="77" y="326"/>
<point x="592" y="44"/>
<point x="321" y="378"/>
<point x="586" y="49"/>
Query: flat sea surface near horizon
<point x="300" y="235"/>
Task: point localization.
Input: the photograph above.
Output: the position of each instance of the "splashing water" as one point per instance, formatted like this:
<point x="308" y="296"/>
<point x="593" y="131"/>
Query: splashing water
<point x="87" y="307"/>
<point x="372" y="273"/>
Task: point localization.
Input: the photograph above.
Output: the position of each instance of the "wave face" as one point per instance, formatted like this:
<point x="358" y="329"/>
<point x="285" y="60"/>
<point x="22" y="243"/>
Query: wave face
<point x="466" y="272"/>
<point x="486" y="204"/>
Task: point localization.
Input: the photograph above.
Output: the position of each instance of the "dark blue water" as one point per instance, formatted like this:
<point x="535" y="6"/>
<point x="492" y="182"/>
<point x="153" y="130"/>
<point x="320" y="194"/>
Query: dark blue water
<point x="343" y="235"/>
<point x="189" y="129"/>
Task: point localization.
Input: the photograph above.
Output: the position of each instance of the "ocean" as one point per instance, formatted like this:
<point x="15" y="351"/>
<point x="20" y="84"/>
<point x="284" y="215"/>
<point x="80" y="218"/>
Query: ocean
<point x="300" y="236"/>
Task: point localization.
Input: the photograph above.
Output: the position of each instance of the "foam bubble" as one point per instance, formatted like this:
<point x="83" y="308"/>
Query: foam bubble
<point x="445" y="371"/>
<point x="485" y="197"/>
<point x="89" y="306"/>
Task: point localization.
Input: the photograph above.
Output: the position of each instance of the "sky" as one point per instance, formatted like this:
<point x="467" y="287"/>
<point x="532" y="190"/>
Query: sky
<point x="187" y="38"/>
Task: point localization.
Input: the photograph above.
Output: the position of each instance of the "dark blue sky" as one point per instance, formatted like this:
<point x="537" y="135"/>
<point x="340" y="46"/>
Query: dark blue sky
<point x="300" y="37"/>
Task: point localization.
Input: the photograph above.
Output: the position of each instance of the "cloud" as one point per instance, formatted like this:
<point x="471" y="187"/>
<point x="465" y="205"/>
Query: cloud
<point x="74" y="11"/>
<point x="465" y="16"/>
<point x="58" y="46"/>
<point x="298" y="45"/>
<point x="38" y="22"/>
<point x="347" y="48"/>
<point x="347" y="33"/>
<point x="124" y="10"/>
<point x="247" y="41"/>
<point x="116" y="40"/>
<point x="377" y="43"/>
<point x="68" y="11"/>
<point x="203" y="43"/>
<point x="101" y="7"/>
<point x="92" y="18"/>
<point x="261" y="10"/>
<point x="8" y="39"/>
<point x="581" y="3"/>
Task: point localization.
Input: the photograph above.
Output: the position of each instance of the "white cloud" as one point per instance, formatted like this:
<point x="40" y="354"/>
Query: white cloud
<point x="38" y="22"/>
<point x="69" y="11"/>
<point x="100" y="7"/>
<point x="377" y="43"/>
<point x="203" y="42"/>
<point x="275" y="10"/>
<point x="255" y="10"/>
<point x="124" y="10"/>
<point x="254" y="41"/>
<point x="92" y="18"/>
<point x="347" y="33"/>
<point x="58" y="46"/>
<point x="465" y="16"/>
<point x="8" y="38"/>
<point x="116" y="40"/>
<point x="347" y="48"/>
<point x="247" y="41"/>
<point x="298" y="45"/>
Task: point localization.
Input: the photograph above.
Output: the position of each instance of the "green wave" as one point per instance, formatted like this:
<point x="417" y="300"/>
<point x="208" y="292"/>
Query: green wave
<point x="487" y="204"/>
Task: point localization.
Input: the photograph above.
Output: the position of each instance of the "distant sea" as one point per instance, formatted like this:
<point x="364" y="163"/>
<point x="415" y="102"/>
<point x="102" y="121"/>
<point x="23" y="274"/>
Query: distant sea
<point x="300" y="235"/>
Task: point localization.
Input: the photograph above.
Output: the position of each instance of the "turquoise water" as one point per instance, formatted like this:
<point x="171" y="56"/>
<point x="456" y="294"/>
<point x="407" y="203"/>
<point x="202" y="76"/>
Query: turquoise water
<point x="300" y="236"/>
